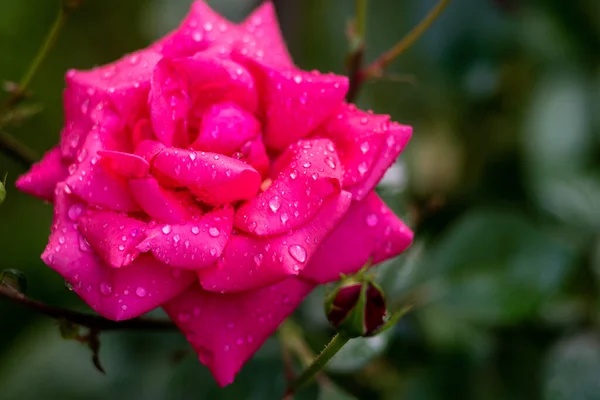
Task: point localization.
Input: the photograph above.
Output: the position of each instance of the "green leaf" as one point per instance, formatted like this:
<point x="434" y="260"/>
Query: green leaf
<point x="358" y="352"/>
<point x="14" y="279"/>
<point x="571" y="370"/>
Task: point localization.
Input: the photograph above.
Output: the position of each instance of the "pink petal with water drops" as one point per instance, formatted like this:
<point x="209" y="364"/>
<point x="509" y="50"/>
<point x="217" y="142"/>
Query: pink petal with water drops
<point x="43" y="176"/>
<point x="96" y="184"/>
<point x="225" y="127"/>
<point x="296" y="102"/>
<point x="266" y="44"/>
<point x="255" y="154"/>
<point x="123" y="83"/>
<point x="309" y="172"/>
<point x="161" y="204"/>
<point x="125" y="164"/>
<point x="116" y="294"/>
<point x="194" y="245"/>
<point x="201" y="27"/>
<point x="142" y="131"/>
<point x="225" y="330"/>
<point x="113" y="236"/>
<point x="367" y="145"/>
<point x="251" y="262"/>
<point x="369" y="230"/>
<point x="214" y="178"/>
<point x="148" y="149"/>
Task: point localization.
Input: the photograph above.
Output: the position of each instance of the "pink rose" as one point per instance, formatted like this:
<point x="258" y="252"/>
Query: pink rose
<point x="210" y="176"/>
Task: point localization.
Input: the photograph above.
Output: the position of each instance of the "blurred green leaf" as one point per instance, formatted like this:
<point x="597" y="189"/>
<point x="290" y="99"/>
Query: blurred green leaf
<point x="571" y="371"/>
<point x="358" y="352"/>
<point x="14" y="279"/>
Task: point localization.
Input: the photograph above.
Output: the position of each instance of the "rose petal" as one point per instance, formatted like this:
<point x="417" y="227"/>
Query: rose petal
<point x="160" y="204"/>
<point x="370" y="229"/>
<point x="116" y="294"/>
<point x="225" y="127"/>
<point x="113" y="236"/>
<point x="201" y="27"/>
<point x="183" y="88"/>
<point x="96" y="184"/>
<point x="251" y="262"/>
<point x="311" y="174"/>
<point x="227" y="329"/>
<point x="214" y="178"/>
<point x="194" y="245"/>
<point x="268" y="45"/>
<point x="367" y="145"/>
<point x="125" y="164"/>
<point x="43" y="176"/>
<point x="296" y="102"/>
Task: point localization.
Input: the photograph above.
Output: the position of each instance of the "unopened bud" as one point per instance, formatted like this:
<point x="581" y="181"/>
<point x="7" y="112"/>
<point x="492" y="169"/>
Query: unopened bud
<point x="356" y="307"/>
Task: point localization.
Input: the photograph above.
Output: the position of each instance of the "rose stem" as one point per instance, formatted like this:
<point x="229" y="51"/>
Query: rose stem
<point x="93" y="322"/>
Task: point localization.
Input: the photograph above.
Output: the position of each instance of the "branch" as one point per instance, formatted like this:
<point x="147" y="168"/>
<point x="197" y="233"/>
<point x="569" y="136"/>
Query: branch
<point x="17" y="150"/>
<point x="93" y="322"/>
<point x="355" y="58"/>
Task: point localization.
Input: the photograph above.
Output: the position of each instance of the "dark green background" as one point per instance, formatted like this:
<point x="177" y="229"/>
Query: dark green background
<point x="501" y="181"/>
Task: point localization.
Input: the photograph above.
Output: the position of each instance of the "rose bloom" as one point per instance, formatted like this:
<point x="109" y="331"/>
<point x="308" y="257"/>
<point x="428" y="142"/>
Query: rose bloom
<point x="209" y="176"/>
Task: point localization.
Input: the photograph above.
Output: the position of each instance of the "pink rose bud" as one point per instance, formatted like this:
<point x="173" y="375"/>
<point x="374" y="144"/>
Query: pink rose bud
<point x="356" y="307"/>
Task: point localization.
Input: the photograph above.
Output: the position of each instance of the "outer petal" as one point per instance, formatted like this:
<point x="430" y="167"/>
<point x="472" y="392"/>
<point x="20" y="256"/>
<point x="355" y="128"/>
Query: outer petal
<point x="95" y="183"/>
<point x="116" y="294"/>
<point x="367" y="145"/>
<point x="227" y="329"/>
<point x="250" y="262"/>
<point x="194" y="245"/>
<point x="41" y="180"/>
<point x="370" y="229"/>
<point x="125" y="164"/>
<point x="124" y="84"/>
<point x="113" y="236"/>
<point x="267" y="44"/>
<point x="200" y="28"/>
<point x="296" y="102"/>
<point x="214" y="178"/>
<point x="311" y="174"/>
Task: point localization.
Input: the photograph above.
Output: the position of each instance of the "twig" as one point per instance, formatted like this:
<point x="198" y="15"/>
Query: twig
<point x="93" y="322"/>
<point x="17" y="150"/>
<point x="355" y="58"/>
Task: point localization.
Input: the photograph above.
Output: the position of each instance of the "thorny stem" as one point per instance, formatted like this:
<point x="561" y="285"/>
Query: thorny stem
<point x="93" y="322"/>
<point x="17" y="150"/>
<point x="377" y="68"/>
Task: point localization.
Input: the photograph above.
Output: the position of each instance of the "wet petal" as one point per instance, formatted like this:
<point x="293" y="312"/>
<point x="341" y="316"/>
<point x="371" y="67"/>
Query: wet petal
<point x="251" y="262"/>
<point x="310" y="173"/>
<point x="161" y="204"/>
<point x="200" y="28"/>
<point x="97" y="184"/>
<point x="113" y="236"/>
<point x="125" y="164"/>
<point x="225" y="127"/>
<point x="214" y="178"/>
<point x="183" y="88"/>
<point x="227" y="329"/>
<point x="194" y="245"/>
<point x="296" y="102"/>
<point x="43" y="176"/>
<point x="370" y="229"/>
<point x="267" y="44"/>
<point x="367" y="144"/>
<point x="116" y="294"/>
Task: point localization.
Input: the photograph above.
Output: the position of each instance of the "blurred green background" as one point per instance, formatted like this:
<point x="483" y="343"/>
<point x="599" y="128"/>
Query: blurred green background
<point x="500" y="181"/>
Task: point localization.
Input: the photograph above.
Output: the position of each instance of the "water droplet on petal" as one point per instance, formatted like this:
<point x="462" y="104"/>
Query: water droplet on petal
<point x="274" y="203"/>
<point x="330" y="162"/>
<point x="372" y="220"/>
<point x="105" y="288"/>
<point x="140" y="292"/>
<point x="166" y="229"/>
<point x="195" y="230"/>
<point x="75" y="211"/>
<point x="284" y="218"/>
<point x="364" y="147"/>
<point x="184" y="317"/>
<point x="362" y="168"/>
<point x="297" y="252"/>
<point x="214" y="231"/>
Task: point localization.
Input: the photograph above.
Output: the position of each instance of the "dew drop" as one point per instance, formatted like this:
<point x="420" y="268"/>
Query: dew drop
<point x="274" y="203"/>
<point x="297" y="252"/>
<point x="184" y="317"/>
<point x="362" y="168"/>
<point x="284" y="218"/>
<point x="214" y="231"/>
<point x="105" y="288"/>
<point x="371" y="220"/>
<point x="364" y="147"/>
<point x="140" y="292"/>
<point x="75" y="211"/>
<point x="166" y="229"/>
<point x="330" y="162"/>
<point x="195" y="230"/>
<point x="258" y="259"/>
